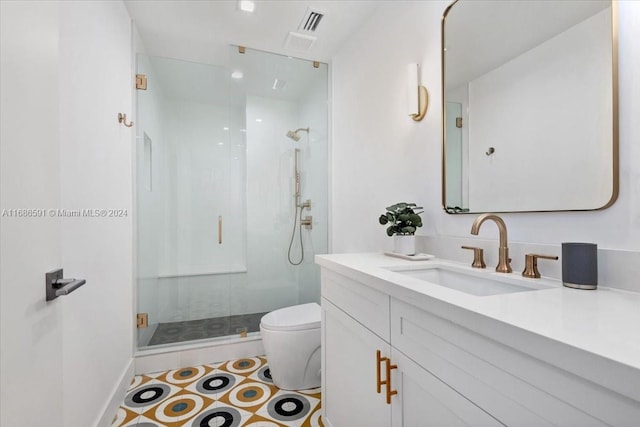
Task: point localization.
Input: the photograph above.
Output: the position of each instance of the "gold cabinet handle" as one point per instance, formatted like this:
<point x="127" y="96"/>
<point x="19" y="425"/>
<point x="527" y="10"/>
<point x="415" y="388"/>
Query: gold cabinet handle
<point x="379" y="381"/>
<point x="219" y="229"/>
<point x="390" y="392"/>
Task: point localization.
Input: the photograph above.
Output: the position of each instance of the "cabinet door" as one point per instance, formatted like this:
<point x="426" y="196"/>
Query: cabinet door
<point x="349" y="372"/>
<point x="424" y="401"/>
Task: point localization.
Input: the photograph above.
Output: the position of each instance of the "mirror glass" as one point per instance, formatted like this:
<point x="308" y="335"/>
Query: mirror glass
<point x="530" y="106"/>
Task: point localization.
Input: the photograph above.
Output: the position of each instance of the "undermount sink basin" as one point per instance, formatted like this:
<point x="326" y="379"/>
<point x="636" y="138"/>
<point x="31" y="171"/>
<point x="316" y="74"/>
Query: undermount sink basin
<point x="482" y="283"/>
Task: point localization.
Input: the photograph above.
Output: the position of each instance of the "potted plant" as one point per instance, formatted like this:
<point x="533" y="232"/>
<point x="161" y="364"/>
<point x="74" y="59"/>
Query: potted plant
<point x="402" y="220"/>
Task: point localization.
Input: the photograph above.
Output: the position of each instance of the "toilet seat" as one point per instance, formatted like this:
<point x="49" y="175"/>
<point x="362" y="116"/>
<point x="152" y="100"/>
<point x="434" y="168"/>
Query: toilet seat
<point x="296" y="318"/>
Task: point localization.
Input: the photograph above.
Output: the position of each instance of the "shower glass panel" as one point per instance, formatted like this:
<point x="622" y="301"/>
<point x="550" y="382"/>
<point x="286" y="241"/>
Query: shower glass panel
<point x="215" y="193"/>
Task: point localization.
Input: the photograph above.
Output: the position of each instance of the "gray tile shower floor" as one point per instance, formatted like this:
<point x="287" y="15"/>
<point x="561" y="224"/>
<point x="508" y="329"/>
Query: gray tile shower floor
<point x="205" y="328"/>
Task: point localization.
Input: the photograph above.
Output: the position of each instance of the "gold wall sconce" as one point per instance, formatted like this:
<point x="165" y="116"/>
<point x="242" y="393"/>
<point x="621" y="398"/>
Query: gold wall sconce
<point x="418" y="97"/>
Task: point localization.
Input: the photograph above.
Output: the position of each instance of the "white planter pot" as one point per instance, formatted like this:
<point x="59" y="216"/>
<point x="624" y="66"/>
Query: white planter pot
<point x="405" y="245"/>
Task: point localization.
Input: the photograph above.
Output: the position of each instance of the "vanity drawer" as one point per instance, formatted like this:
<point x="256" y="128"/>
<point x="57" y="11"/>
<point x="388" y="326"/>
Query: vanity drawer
<point x="366" y="305"/>
<point x="513" y="387"/>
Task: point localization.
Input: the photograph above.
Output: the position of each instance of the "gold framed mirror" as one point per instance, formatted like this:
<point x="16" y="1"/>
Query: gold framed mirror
<point x="530" y="106"/>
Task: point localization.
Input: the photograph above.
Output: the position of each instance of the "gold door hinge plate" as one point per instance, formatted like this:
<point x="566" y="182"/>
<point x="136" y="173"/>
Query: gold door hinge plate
<point x="142" y="320"/>
<point x="141" y="81"/>
<point x="458" y="122"/>
<point x="316" y="64"/>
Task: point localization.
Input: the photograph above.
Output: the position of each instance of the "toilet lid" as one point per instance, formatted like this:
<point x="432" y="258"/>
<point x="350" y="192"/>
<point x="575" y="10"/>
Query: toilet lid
<point x="295" y="318"/>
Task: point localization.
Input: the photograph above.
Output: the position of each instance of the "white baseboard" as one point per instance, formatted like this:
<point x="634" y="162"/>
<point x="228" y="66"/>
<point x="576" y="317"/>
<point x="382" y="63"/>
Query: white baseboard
<point x="156" y="360"/>
<point x="117" y="396"/>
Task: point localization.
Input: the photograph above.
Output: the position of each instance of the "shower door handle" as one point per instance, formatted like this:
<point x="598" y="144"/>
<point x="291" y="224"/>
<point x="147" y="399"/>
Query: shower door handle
<point x="219" y="229"/>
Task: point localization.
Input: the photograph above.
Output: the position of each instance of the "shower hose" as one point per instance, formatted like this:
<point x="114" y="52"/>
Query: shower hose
<point x="297" y="219"/>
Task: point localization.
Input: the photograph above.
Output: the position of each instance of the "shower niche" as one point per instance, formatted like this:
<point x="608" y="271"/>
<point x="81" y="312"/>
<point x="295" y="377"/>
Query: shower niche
<point x="216" y="192"/>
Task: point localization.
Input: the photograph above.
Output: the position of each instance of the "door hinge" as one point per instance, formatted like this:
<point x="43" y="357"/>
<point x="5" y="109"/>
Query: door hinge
<point x="458" y="122"/>
<point x="141" y="81"/>
<point x="142" y="320"/>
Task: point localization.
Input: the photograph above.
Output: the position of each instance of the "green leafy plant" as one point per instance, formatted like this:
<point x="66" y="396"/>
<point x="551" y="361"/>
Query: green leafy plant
<point x="403" y="219"/>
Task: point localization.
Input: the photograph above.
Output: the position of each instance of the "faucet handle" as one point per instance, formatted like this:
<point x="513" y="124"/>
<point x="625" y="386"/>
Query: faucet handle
<point x="531" y="264"/>
<point x="478" y="256"/>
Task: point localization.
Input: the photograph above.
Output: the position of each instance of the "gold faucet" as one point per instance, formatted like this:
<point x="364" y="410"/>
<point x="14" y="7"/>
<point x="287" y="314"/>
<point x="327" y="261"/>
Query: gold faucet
<point x="503" y="252"/>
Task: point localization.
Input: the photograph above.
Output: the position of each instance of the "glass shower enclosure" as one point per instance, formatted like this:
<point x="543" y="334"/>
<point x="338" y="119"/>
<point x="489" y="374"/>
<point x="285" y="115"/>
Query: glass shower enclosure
<point x="231" y="191"/>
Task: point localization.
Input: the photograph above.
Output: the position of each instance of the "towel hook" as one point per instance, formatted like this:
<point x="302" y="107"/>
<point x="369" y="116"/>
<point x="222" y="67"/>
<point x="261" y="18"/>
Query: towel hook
<point x="122" y="118"/>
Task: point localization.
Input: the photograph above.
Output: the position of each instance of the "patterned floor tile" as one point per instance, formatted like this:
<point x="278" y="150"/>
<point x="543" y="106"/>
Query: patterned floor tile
<point x="139" y="380"/>
<point x="289" y="407"/>
<point x="258" y="421"/>
<point x="215" y="384"/>
<point x="244" y="366"/>
<point x="146" y="422"/>
<point x="219" y="414"/>
<point x="235" y="393"/>
<point x="315" y="419"/>
<point x="249" y="395"/>
<point x="178" y="408"/>
<point x="184" y="376"/>
<point x="124" y="417"/>
<point x="148" y="395"/>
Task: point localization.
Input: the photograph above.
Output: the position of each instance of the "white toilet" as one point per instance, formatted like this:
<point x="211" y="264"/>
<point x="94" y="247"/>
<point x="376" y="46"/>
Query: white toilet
<point x="291" y="338"/>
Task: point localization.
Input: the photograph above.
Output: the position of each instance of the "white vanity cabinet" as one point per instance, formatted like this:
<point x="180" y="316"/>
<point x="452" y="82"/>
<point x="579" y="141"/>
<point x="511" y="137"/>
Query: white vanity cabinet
<point x="349" y="383"/>
<point x="425" y="401"/>
<point x="349" y="351"/>
<point x="367" y="382"/>
<point x="441" y="373"/>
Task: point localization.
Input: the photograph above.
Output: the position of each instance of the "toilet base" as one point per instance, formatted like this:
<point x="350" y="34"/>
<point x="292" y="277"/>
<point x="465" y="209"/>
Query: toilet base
<point x="291" y="369"/>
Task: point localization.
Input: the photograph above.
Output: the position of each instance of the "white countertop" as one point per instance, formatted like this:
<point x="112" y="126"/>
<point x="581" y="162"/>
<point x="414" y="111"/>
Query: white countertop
<point x="592" y="333"/>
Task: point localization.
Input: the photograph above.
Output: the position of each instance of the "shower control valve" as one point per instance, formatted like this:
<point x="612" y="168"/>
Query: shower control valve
<point x="306" y="204"/>
<point x="307" y="222"/>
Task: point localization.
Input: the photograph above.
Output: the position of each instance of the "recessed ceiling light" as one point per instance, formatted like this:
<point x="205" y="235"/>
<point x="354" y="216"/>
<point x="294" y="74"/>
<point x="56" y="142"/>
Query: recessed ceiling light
<point x="225" y="128"/>
<point x="246" y="6"/>
<point x="237" y="75"/>
<point x="259" y="120"/>
<point x="220" y="143"/>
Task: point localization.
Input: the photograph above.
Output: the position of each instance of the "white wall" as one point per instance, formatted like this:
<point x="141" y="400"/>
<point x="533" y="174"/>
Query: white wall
<point x="31" y="334"/>
<point x="96" y="172"/>
<point x="66" y="73"/>
<point x="380" y="157"/>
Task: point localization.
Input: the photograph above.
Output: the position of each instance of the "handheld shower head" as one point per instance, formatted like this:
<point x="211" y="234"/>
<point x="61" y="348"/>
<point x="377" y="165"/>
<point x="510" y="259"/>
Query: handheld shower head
<point x="293" y="134"/>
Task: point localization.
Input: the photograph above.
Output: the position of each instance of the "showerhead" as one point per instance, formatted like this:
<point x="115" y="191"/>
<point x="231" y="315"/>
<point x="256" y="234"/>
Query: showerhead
<point x="293" y="134"/>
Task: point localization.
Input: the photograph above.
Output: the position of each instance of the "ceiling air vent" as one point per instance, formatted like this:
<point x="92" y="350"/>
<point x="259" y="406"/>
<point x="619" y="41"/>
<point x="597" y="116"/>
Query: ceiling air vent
<point x="311" y="20"/>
